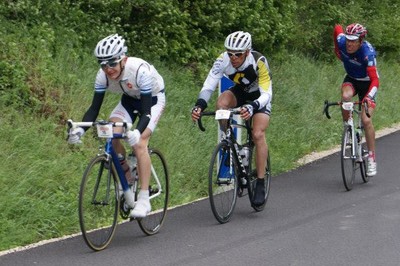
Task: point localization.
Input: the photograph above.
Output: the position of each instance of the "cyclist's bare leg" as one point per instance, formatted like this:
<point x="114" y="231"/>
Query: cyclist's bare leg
<point x="143" y="157"/>
<point x="369" y="129"/>
<point x="141" y="152"/>
<point x="143" y="206"/>
<point x="118" y="147"/>
<point x="347" y="95"/>
<point x="260" y="125"/>
<point x="225" y="101"/>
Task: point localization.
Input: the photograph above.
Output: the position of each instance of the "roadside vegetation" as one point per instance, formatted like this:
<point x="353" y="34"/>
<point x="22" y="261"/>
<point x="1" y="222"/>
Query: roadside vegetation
<point x="47" y="72"/>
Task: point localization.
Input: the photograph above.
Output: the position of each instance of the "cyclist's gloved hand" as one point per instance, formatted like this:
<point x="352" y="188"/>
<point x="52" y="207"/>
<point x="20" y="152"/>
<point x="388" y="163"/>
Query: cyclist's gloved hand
<point x="74" y="136"/>
<point x="370" y="101"/>
<point x="132" y="137"/>
<point x="196" y="113"/>
<point x="246" y="111"/>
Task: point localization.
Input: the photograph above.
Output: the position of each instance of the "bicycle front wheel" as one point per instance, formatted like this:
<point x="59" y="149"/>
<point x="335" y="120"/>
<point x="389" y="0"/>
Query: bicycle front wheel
<point x="348" y="160"/>
<point x="98" y="203"/>
<point x="363" y="164"/>
<point x="252" y="180"/>
<point x="159" y="194"/>
<point x="222" y="182"/>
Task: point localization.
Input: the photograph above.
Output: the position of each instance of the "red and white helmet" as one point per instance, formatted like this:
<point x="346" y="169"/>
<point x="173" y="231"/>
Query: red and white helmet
<point x="355" y="31"/>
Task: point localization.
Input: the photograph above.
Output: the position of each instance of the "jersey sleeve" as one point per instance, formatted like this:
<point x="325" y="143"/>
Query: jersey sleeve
<point x="100" y="87"/>
<point x="337" y="32"/>
<point x="101" y="82"/>
<point x="211" y="82"/>
<point x="94" y="109"/>
<point x="264" y="83"/>
<point x="145" y="83"/>
<point x="374" y="77"/>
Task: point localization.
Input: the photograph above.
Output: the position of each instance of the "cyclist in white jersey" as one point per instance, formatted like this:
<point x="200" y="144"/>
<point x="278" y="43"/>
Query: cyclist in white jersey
<point x="252" y="91"/>
<point x="143" y="97"/>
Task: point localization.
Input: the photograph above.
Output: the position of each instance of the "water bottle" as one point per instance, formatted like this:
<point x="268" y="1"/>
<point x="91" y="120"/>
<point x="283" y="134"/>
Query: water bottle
<point x="126" y="168"/>
<point x="244" y="153"/>
<point x="132" y="162"/>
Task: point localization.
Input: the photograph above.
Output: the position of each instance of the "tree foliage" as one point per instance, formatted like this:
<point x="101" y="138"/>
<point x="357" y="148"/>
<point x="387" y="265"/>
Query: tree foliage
<point x="182" y="32"/>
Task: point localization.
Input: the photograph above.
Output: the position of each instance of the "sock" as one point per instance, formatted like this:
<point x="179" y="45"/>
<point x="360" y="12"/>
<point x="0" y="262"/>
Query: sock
<point x="371" y="154"/>
<point x="144" y="194"/>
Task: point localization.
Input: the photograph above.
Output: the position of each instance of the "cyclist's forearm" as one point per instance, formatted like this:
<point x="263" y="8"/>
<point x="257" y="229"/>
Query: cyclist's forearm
<point x="93" y="111"/>
<point x="145" y="114"/>
<point x="263" y="100"/>
<point x="373" y="75"/>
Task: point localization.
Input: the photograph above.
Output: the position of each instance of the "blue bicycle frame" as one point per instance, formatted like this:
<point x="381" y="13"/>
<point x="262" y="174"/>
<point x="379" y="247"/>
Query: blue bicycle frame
<point x="109" y="149"/>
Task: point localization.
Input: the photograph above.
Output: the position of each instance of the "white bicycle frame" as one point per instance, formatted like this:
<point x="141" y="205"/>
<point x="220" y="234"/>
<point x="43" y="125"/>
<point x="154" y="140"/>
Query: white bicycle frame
<point x="356" y="148"/>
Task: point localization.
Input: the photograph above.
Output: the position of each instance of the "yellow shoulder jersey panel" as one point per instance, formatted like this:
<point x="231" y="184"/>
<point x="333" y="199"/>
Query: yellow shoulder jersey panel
<point x="264" y="77"/>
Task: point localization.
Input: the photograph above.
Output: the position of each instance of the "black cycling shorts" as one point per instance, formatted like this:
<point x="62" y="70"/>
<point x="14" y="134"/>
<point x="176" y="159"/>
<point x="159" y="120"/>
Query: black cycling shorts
<point x="243" y="97"/>
<point x="361" y="87"/>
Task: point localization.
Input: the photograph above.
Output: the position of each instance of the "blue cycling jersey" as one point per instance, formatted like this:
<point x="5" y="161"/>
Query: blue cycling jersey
<point x="356" y="64"/>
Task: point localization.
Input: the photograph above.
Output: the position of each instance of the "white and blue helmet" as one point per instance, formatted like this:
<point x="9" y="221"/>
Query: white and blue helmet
<point x="111" y="47"/>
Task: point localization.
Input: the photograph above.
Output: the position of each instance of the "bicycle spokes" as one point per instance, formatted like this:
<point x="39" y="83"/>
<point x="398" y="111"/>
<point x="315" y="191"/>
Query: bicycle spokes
<point x="222" y="183"/>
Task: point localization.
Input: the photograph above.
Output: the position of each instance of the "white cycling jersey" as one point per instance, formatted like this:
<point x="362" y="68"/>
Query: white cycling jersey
<point x="253" y="75"/>
<point x="138" y="77"/>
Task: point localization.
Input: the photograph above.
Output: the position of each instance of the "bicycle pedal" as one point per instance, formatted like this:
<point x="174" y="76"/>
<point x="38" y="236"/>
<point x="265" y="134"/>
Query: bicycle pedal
<point x="124" y="209"/>
<point x="240" y="192"/>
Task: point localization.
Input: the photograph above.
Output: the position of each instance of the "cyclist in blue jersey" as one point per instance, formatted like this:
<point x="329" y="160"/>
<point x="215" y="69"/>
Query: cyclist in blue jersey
<point x="143" y="97"/>
<point x="362" y="78"/>
<point x="252" y="91"/>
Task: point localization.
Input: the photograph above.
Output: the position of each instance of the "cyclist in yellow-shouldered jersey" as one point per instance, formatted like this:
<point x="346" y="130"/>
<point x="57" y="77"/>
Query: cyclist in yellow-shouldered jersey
<point x="252" y="91"/>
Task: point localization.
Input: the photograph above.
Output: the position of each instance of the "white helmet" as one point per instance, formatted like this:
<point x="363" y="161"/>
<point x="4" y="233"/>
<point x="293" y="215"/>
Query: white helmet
<point x="111" y="47"/>
<point x="238" y="41"/>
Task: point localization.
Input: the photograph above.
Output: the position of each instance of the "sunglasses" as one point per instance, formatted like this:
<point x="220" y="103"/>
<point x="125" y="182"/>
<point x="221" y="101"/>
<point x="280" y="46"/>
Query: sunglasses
<point x="239" y="54"/>
<point x="110" y="64"/>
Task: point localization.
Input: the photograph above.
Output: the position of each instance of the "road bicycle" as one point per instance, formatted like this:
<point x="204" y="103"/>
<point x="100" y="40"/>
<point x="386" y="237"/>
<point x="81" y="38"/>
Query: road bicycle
<point x="354" y="153"/>
<point x="232" y="168"/>
<point x="105" y="194"/>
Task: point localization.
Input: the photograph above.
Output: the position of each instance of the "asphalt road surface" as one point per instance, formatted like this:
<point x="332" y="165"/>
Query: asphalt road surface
<point x="309" y="220"/>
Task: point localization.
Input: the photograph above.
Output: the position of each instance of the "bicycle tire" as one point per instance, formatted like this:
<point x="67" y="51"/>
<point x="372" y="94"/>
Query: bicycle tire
<point x="222" y="182"/>
<point x="348" y="162"/>
<point x="252" y="180"/>
<point x="363" y="164"/>
<point x="98" y="203"/>
<point x="159" y="194"/>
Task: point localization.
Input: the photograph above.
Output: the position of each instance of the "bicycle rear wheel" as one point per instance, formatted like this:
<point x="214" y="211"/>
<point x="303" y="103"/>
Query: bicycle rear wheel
<point x="348" y="161"/>
<point x="222" y="182"/>
<point x="98" y="203"/>
<point x="252" y="180"/>
<point x="159" y="194"/>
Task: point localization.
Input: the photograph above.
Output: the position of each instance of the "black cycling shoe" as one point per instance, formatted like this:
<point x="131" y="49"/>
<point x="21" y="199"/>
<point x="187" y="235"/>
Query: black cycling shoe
<point x="259" y="192"/>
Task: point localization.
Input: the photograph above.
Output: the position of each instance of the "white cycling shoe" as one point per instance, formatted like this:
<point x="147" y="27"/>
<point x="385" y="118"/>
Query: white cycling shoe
<point x="142" y="206"/>
<point x="371" y="168"/>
